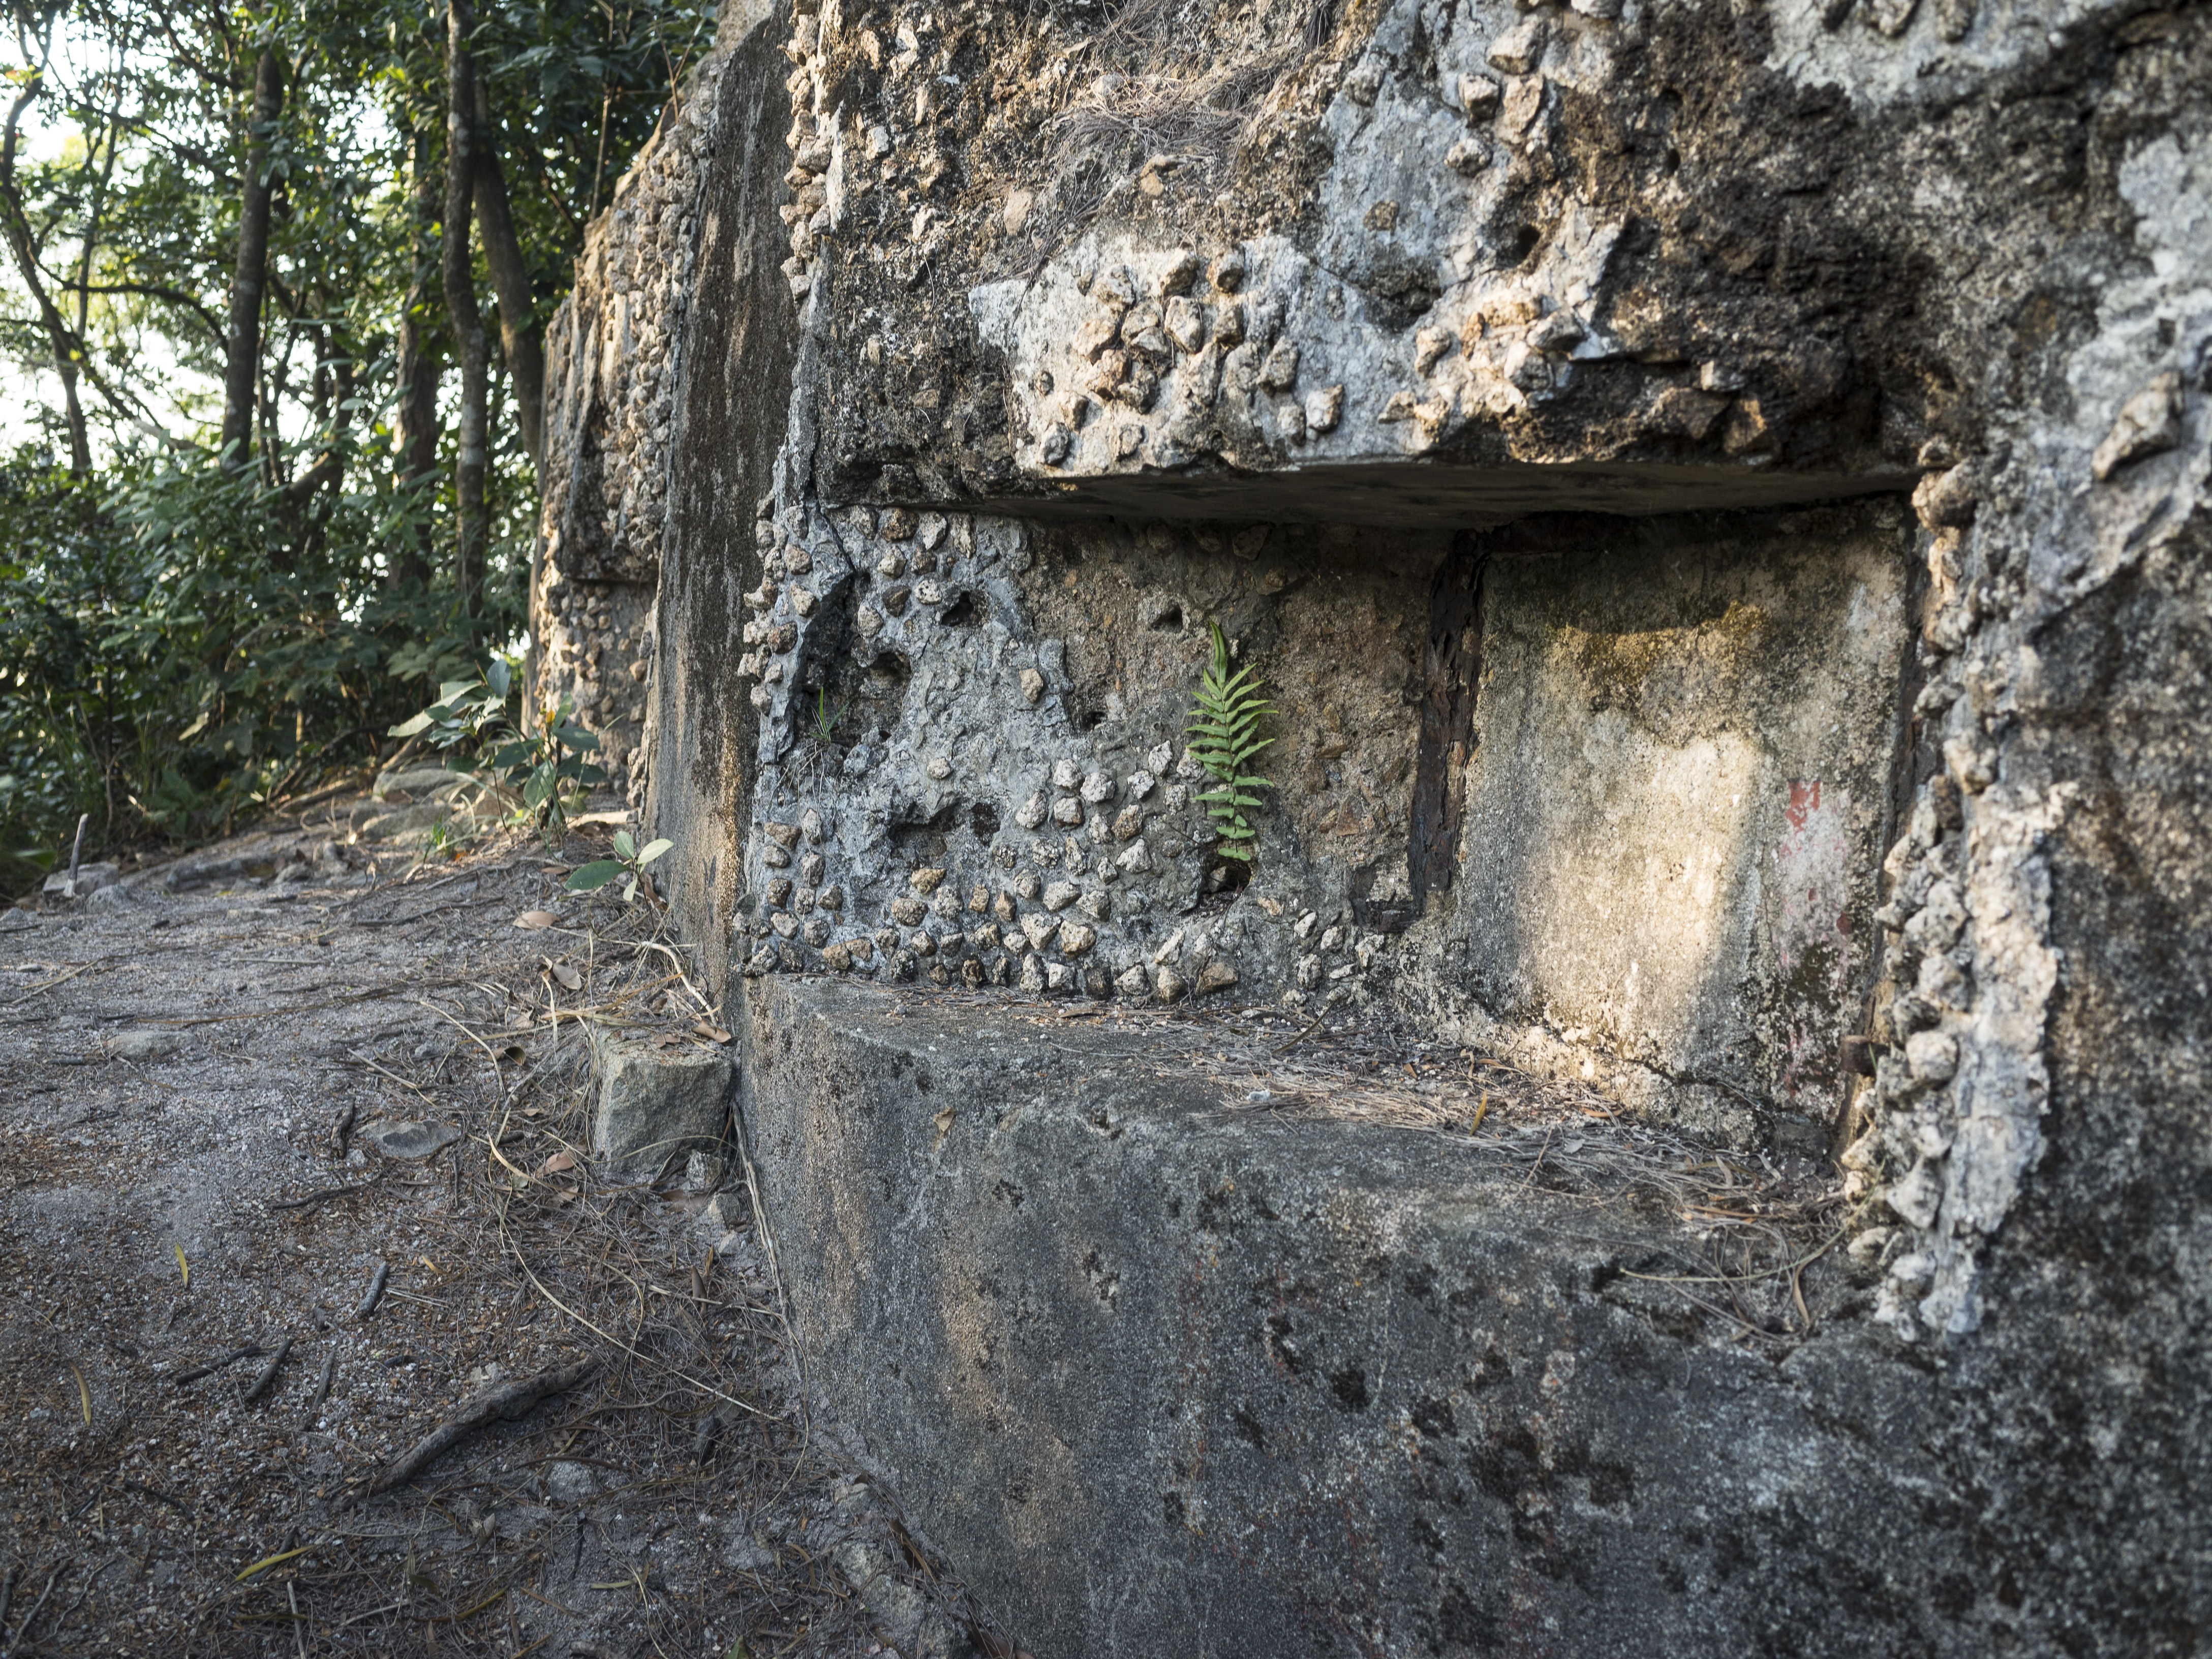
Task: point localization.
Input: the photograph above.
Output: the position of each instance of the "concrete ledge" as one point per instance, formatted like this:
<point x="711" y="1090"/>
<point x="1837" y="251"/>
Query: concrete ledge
<point x="1162" y="1381"/>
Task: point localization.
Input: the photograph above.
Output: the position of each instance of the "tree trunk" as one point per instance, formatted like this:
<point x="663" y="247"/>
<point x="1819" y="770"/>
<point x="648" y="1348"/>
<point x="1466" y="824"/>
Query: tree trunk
<point x="66" y="346"/>
<point x="462" y="315"/>
<point x="519" y="334"/>
<point x="243" y="345"/>
<point x="420" y="366"/>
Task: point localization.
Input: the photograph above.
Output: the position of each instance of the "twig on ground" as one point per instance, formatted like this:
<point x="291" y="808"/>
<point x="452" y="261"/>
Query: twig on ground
<point x="375" y="1290"/>
<point x="1281" y="1046"/>
<point x="48" y="985"/>
<point x="268" y="1373"/>
<point x="23" y="1630"/>
<point x="323" y="1387"/>
<point x="158" y="1496"/>
<point x="326" y="1192"/>
<point x="251" y="1350"/>
<point x="508" y="1400"/>
<point x="360" y="1059"/>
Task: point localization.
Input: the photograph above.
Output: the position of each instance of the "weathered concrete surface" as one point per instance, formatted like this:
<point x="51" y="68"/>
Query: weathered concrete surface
<point x="1167" y="1383"/>
<point x="1471" y="256"/>
<point x="612" y="370"/>
<point x="729" y="423"/>
<point x="1109" y="328"/>
<point x="1684" y="769"/>
<point x="656" y="1103"/>
<point x="1778" y="248"/>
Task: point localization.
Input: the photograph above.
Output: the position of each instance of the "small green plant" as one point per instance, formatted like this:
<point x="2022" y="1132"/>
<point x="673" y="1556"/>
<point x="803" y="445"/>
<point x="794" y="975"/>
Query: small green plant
<point x="629" y="858"/>
<point x="539" y="753"/>
<point x="824" y="730"/>
<point x="1223" y="727"/>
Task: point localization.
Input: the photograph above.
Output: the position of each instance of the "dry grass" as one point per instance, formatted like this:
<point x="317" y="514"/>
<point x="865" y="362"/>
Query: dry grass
<point x="1165" y="88"/>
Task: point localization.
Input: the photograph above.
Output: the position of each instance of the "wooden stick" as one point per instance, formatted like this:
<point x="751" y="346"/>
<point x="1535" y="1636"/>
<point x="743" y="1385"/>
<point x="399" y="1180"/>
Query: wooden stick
<point x="375" y="1290"/>
<point x="268" y="1373"/>
<point x="158" y="1497"/>
<point x="323" y="1389"/>
<point x="23" y="1630"/>
<point x="209" y="1369"/>
<point x="506" y="1400"/>
<point x="326" y="1192"/>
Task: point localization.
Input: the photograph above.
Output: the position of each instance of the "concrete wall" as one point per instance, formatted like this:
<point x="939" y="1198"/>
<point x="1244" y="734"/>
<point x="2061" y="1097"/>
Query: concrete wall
<point x="1022" y="348"/>
<point x="612" y="369"/>
<point x="1684" y="769"/>
<point x="1166" y="1378"/>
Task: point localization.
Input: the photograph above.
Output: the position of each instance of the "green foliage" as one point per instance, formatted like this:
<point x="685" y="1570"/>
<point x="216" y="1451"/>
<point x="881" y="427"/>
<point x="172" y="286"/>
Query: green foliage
<point x="539" y="752"/>
<point x="629" y="860"/>
<point x="181" y="641"/>
<point x="826" y="719"/>
<point x="1223" y="727"/>
<point x="174" y="651"/>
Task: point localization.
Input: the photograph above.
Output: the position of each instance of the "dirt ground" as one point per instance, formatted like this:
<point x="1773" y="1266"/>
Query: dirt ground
<point x="197" y="1072"/>
<point x="294" y="1167"/>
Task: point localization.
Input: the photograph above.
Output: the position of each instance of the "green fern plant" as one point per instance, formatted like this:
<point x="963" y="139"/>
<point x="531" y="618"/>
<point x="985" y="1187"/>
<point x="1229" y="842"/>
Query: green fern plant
<point x="1223" y="729"/>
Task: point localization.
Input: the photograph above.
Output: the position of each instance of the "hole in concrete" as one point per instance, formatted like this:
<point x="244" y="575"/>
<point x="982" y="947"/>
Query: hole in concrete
<point x="1169" y="619"/>
<point x="1524" y="243"/>
<point x="983" y="820"/>
<point x="967" y="611"/>
<point x="1225" y="880"/>
<point x="885" y="681"/>
<point x="922" y="843"/>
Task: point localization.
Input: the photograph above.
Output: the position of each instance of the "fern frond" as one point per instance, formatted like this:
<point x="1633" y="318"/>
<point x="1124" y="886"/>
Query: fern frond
<point x="1223" y="729"/>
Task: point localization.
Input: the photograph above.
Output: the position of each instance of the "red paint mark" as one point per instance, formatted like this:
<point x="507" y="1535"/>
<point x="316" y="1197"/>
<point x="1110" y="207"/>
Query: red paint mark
<point x="1804" y="801"/>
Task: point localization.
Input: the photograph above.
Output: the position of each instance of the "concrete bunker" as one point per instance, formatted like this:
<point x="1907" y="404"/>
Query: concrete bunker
<point x="1666" y="804"/>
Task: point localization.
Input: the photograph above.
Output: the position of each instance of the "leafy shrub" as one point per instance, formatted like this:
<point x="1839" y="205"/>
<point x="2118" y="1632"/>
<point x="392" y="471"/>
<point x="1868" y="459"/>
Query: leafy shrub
<point x="180" y="645"/>
<point x="539" y="752"/>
